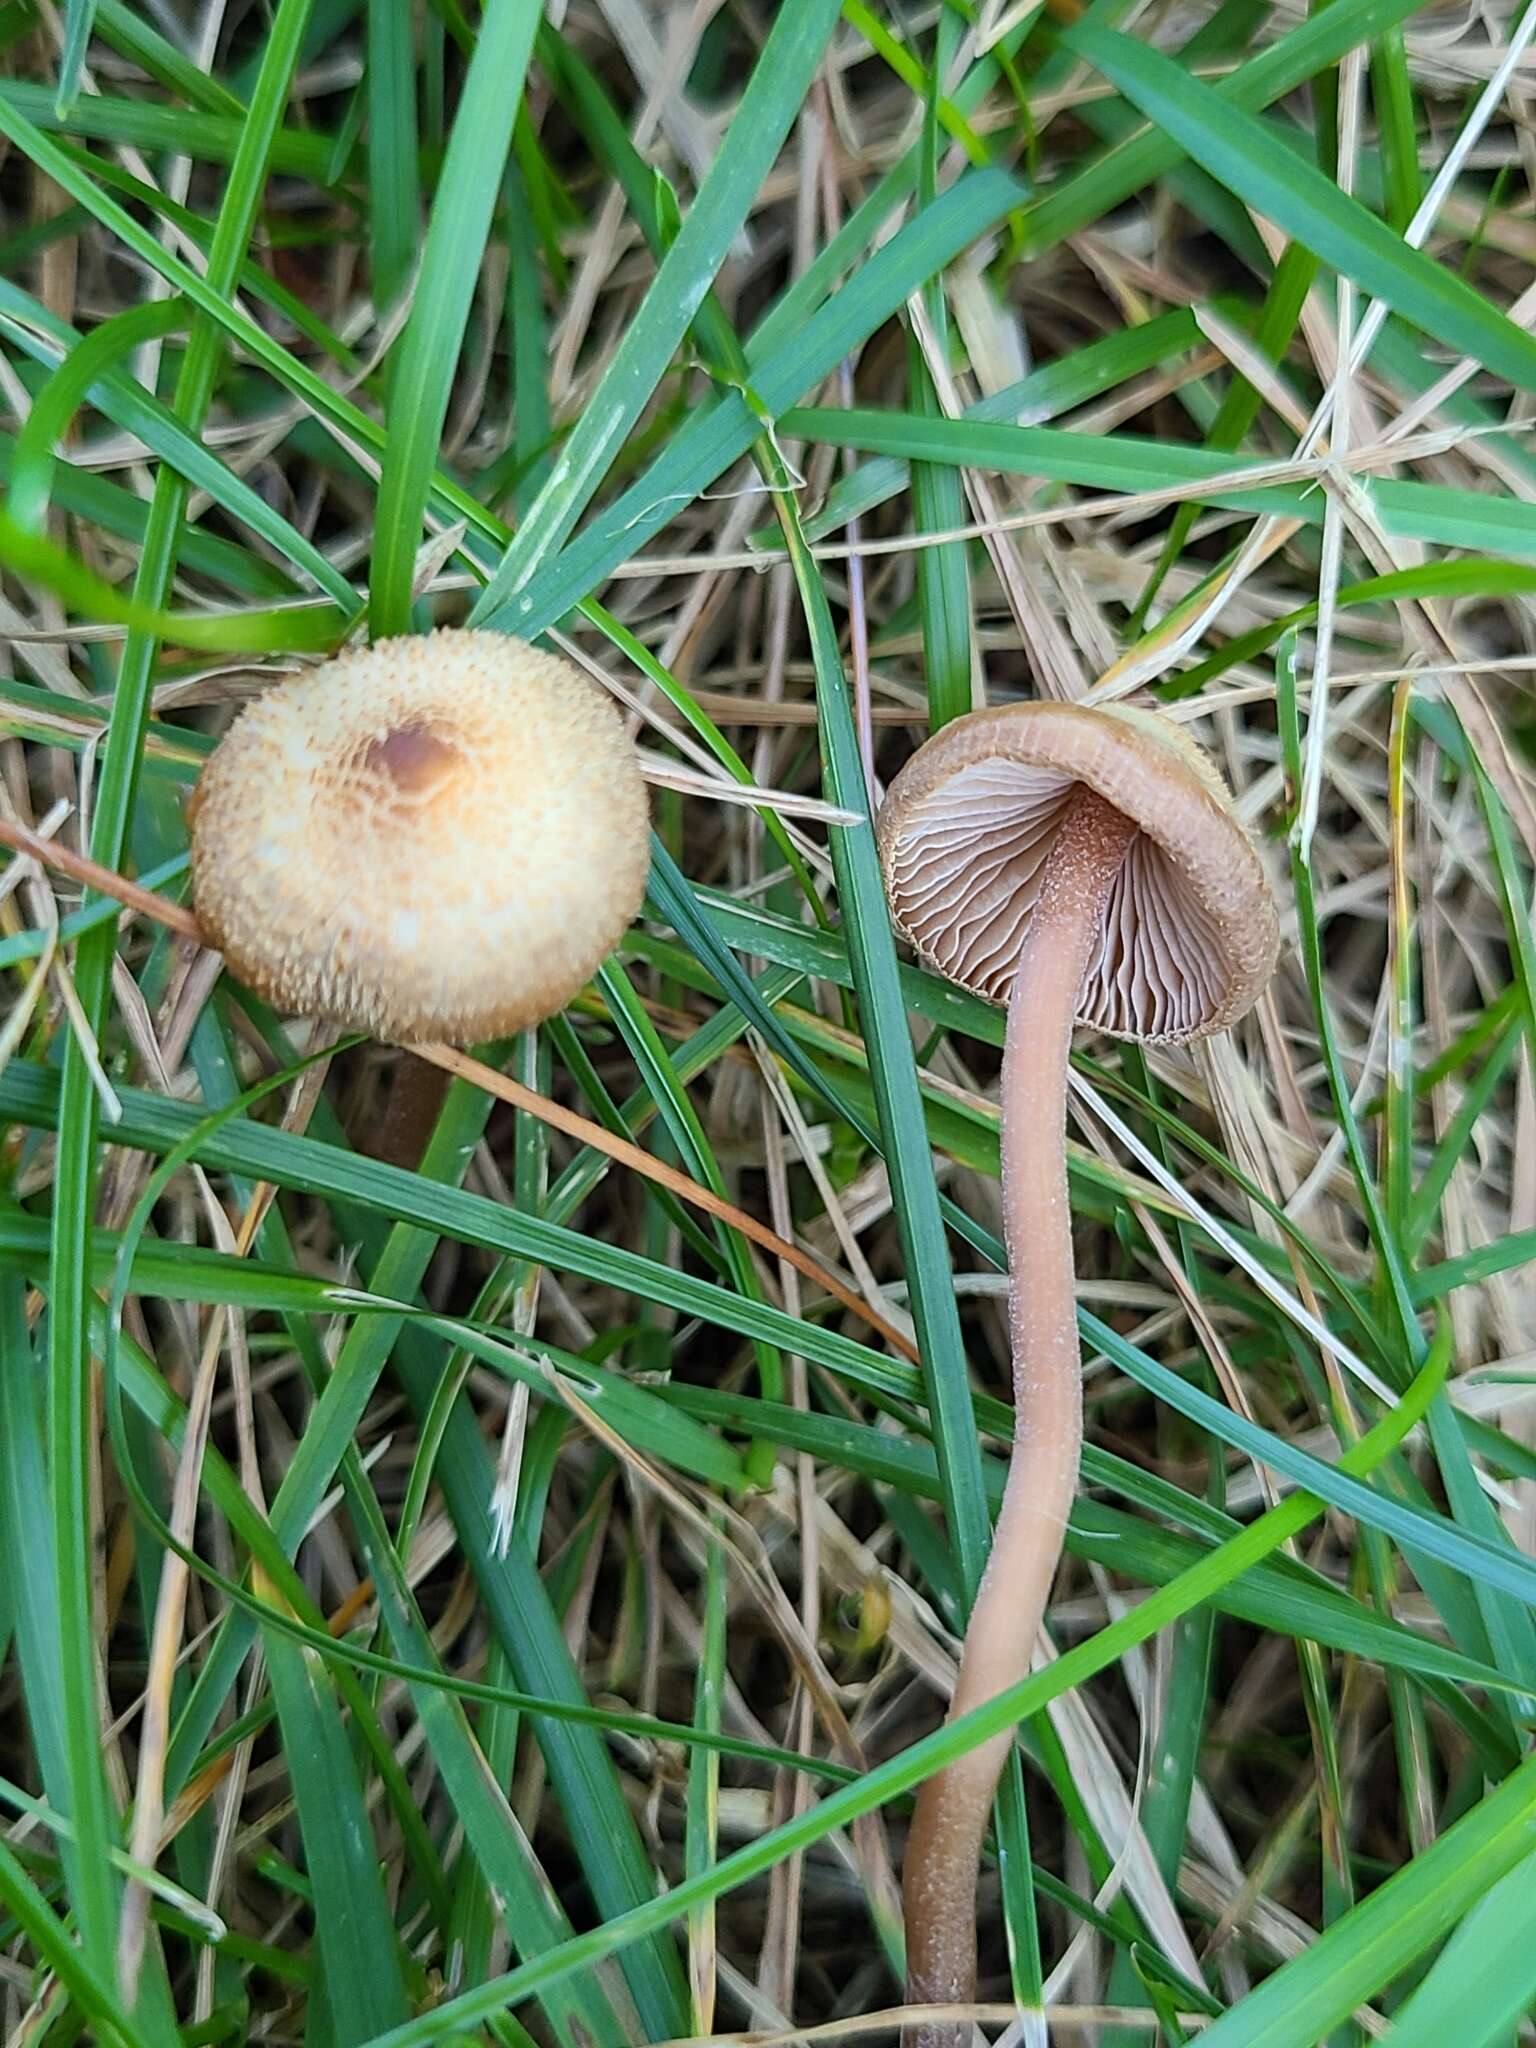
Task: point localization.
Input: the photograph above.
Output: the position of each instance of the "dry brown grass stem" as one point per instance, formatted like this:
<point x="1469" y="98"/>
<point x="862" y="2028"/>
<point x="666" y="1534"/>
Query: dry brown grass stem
<point x="181" y="921"/>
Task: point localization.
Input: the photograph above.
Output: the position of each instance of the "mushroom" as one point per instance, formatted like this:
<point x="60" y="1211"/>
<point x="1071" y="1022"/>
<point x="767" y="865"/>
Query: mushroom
<point x="432" y="838"/>
<point x="1078" y="865"/>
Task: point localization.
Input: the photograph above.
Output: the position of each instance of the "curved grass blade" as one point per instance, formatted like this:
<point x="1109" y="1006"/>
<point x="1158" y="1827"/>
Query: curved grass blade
<point x="99" y="503"/>
<point x="1488" y="1563"/>
<point x="32" y="460"/>
<point x="1240" y="151"/>
<point x="137" y="411"/>
<point x="305" y="624"/>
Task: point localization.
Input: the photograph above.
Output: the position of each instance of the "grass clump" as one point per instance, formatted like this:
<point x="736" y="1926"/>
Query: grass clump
<point x="505" y="1588"/>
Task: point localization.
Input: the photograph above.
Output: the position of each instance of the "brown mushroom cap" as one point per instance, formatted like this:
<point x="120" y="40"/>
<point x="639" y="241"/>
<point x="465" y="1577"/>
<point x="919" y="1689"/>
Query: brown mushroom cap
<point x="1190" y="928"/>
<point x="429" y="838"/>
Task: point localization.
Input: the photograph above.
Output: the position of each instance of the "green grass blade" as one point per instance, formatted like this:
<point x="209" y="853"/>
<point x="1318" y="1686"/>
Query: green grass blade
<point x="421" y="377"/>
<point x="580" y="1766"/>
<point x="71" y="1422"/>
<point x="532" y="1915"/>
<point x="1295" y="195"/>
<point x="94" y="1998"/>
<point x="1487" y="1562"/>
<point x="1052" y="389"/>
<point x="914" y="1764"/>
<point x="145" y="124"/>
<point x="128" y="32"/>
<point x="1484" y="1980"/>
<point x="1293" y="279"/>
<point x="31" y="1096"/>
<point x="701" y="1838"/>
<point x="1314" y="46"/>
<point x="53" y="408"/>
<point x="603" y="1831"/>
<point x="722" y="433"/>
<point x="360" y="1955"/>
<point x="25" y="1539"/>
<point x="533" y="427"/>
<point x="882" y="1013"/>
<point x="541" y="1739"/>
<point x="938" y="499"/>
<point x="79" y="21"/>
<point x="1369" y="1947"/>
<point x="1130" y="463"/>
<point x="228" y="632"/>
<point x="769" y="104"/>
<point x="394" y="184"/>
<point x="1392" y="94"/>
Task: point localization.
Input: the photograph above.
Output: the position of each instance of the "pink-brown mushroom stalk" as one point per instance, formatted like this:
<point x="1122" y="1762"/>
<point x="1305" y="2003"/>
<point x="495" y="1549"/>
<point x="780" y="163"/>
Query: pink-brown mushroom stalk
<point x="433" y="838"/>
<point x="1079" y="865"/>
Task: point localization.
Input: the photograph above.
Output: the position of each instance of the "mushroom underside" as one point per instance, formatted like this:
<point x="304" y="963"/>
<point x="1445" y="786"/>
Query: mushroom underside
<point x="966" y="878"/>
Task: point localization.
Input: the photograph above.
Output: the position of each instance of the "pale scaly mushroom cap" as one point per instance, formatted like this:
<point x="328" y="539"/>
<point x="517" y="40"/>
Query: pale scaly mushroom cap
<point x="1190" y="928"/>
<point x="431" y="838"/>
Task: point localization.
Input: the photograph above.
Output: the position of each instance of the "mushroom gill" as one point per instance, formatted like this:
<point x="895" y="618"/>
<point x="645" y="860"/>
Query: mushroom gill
<point x="1183" y="949"/>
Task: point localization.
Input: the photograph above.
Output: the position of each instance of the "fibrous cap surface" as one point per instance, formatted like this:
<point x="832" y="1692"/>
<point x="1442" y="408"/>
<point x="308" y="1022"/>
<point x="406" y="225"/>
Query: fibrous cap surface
<point x="430" y="838"/>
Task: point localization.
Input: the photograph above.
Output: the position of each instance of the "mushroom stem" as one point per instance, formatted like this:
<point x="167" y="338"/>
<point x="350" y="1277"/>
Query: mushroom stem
<point x="950" y="1820"/>
<point x="411" y="1109"/>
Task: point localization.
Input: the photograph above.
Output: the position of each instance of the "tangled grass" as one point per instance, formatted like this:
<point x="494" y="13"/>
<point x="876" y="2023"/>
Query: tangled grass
<point x="488" y="1597"/>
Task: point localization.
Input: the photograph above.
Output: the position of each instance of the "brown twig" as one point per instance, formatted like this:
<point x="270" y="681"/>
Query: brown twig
<point x="81" y="868"/>
<point x="467" y="1068"/>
